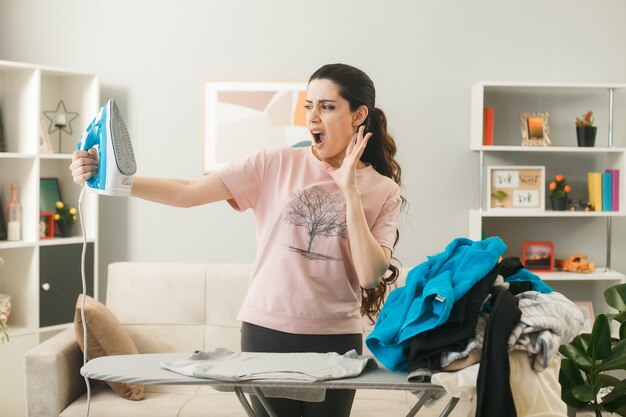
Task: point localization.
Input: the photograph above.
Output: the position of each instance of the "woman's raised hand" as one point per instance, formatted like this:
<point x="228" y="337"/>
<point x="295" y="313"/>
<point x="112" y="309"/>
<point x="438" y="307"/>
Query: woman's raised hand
<point x="84" y="165"/>
<point x="345" y="175"/>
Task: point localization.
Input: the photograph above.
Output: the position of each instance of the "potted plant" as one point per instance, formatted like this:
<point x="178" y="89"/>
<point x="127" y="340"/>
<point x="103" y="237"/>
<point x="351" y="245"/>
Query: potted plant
<point x="585" y="130"/>
<point x="559" y="192"/>
<point x="65" y="217"/>
<point x="584" y="377"/>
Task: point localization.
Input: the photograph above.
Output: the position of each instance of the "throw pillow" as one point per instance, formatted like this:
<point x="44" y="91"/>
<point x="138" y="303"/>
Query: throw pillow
<point x="105" y="336"/>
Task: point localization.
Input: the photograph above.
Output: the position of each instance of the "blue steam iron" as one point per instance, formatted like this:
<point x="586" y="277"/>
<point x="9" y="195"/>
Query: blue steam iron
<point x="108" y="134"/>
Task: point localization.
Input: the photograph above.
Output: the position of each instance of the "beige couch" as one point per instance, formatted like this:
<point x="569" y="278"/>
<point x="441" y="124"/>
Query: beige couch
<point x="165" y="307"/>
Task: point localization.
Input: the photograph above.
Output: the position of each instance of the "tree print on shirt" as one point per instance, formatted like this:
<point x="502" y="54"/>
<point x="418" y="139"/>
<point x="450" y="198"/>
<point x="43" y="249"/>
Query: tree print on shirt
<point x="321" y="214"/>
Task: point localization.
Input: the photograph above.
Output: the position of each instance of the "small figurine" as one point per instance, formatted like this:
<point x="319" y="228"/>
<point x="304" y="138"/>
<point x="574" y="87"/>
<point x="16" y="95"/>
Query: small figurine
<point x="585" y="206"/>
<point x="577" y="262"/>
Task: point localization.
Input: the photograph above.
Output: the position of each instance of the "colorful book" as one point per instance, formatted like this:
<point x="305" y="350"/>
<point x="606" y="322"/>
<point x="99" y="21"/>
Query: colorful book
<point x="615" y="189"/>
<point x="488" y="126"/>
<point x="607" y="189"/>
<point x="594" y="183"/>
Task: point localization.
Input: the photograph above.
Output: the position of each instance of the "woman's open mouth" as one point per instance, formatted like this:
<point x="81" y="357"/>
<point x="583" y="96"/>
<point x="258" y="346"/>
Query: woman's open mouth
<point x="318" y="137"/>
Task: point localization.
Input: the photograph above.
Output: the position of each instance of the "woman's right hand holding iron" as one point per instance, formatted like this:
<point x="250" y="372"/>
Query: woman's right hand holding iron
<point x="84" y="165"/>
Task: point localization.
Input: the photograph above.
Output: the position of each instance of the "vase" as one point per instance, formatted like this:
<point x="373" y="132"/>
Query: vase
<point x="558" y="203"/>
<point x="5" y="308"/>
<point x="586" y="136"/>
<point x="66" y="229"/>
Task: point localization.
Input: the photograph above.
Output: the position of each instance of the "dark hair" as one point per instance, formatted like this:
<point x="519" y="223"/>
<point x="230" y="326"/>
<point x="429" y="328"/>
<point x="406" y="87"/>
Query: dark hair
<point x="358" y="89"/>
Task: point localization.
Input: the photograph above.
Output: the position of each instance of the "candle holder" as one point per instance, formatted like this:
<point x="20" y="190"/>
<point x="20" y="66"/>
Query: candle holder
<point x="61" y="121"/>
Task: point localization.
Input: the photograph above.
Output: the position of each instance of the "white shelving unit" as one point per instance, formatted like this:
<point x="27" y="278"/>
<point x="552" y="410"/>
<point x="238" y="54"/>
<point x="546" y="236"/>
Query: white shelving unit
<point x="576" y="231"/>
<point x="27" y="90"/>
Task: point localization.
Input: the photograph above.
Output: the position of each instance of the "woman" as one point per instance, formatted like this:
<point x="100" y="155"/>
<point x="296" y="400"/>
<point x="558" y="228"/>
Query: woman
<point x="326" y="225"/>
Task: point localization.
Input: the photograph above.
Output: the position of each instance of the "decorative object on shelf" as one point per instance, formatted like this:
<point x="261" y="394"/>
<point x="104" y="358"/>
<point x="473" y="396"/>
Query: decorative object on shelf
<point x="45" y="144"/>
<point x="61" y="121"/>
<point x="49" y="194"/>
<point x="585" y="130"/>
<point x="5" y="311"/>
<point x="3" y="229"/>
<point x="576" y="262"/>
<point x="538" y="256"/>
<point x="586" y="206"/>
<point x="559" y="191"/>
<point x="14" y="214"/>
<point x="274" y="110"/>
<point x="523" y="186"/>
<point x="592" y="355"/>
<point x="3" y="145"/>
<point x="488" y="114"/>
<point x="535" y="130"/>
<point x="65" y="217"/>
<point x="46" y="225"/>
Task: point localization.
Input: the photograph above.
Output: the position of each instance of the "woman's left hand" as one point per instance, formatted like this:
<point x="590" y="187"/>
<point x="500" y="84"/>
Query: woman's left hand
<point x="345" y="175"/>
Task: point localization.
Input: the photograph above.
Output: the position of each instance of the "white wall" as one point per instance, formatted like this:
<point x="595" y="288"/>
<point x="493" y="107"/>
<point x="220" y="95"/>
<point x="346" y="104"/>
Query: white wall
<point x="153" y="55"/>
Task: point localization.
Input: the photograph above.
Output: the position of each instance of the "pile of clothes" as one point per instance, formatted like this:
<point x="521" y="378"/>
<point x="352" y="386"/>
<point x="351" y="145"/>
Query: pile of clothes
<point x="466" y="309"/>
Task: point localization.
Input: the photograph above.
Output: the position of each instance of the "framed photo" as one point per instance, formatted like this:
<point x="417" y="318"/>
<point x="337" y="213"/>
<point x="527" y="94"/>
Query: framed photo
<point x="586" y="307"/>
<point x="49" y="194"/>
<point x="535" y="130"/>
<point x="240" y="117"/>
<point x="45" y="144"/>
<point x="46" y="225"/>
<point x="516" y="187"/>
<point x="538" y="256"/>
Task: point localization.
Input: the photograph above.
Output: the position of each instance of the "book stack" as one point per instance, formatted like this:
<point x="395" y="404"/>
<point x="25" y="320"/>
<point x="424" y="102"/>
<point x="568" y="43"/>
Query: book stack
<point x="604" y="190"/>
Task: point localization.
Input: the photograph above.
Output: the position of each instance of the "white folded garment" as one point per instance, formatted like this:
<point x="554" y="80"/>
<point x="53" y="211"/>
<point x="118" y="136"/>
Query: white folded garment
<point x="224" y="365"/>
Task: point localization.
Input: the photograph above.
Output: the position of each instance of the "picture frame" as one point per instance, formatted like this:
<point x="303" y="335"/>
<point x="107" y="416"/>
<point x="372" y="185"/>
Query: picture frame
<point x="49" y="194"/>
<point x="46" y="225"/>
<point x="45" y="144"/>
<point x="538" y="256"/>
<point x="586" y="307"/>
<point x="520" y="187"/>
<point x="241" y="117"/>
<point x="535" y="129"/>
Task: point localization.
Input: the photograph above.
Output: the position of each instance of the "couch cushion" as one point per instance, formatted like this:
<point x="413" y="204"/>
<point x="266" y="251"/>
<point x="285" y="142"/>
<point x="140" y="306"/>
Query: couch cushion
<point x="161" y="338"/>
<point x="157" y="293"/>
<point x="105" y="336"/>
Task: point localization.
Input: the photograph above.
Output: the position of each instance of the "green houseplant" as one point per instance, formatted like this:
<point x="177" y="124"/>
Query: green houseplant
<point x="585" y="130"/>
<point x="584" y="376"/>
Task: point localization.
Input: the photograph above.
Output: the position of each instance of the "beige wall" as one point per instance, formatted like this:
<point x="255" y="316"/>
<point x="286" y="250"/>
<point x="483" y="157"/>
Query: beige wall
<point x="152" y="56"/>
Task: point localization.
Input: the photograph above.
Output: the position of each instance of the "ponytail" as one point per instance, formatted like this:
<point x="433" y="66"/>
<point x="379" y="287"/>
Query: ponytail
<point x="380" y="152"/>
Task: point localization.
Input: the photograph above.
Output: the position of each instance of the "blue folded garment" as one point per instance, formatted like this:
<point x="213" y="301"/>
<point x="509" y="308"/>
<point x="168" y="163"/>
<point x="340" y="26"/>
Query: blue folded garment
<point x="430" y="291"/>
<point x="536" y="282"/>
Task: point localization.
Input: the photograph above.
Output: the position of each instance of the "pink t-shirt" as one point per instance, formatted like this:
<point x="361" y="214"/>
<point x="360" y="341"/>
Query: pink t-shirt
<point x="304" y="280"/>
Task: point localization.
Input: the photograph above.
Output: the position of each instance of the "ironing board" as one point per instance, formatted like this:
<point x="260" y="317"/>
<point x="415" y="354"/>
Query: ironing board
<point x="145" y="369"/>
